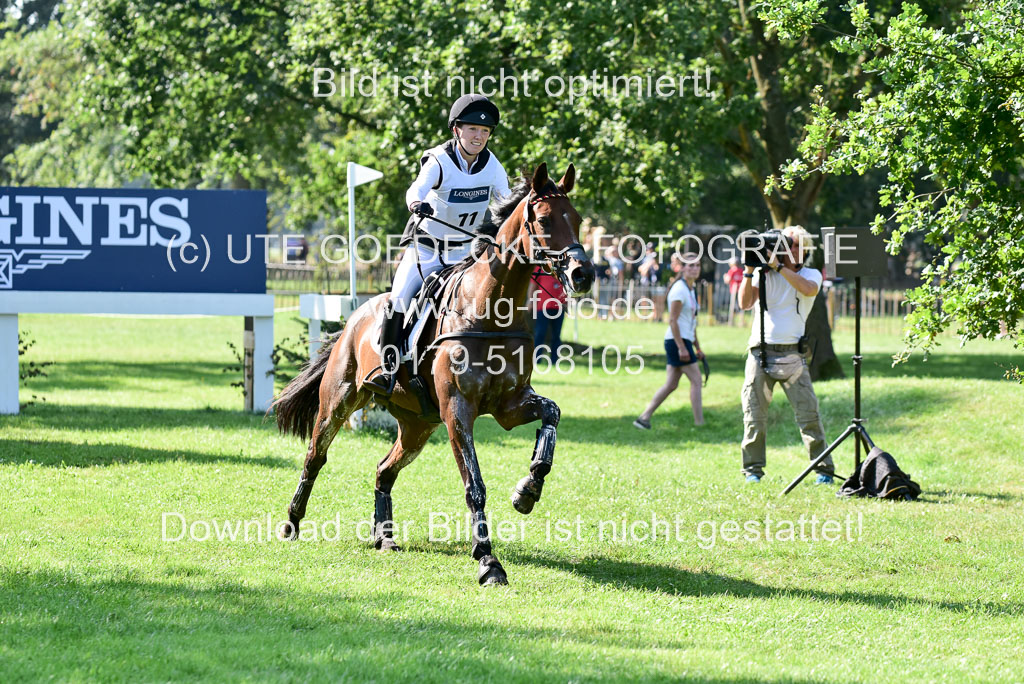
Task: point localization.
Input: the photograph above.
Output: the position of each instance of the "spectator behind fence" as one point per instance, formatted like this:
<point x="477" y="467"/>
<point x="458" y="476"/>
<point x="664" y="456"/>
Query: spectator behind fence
<point x="649" y="267"/>
<point x="547" y="298"/>
<point x="682" y="350"/>
<point x="733" y="278"/>
<point x="611" y="288"/>
<point x="790" y="291"/>
<point x="616" y="267"/>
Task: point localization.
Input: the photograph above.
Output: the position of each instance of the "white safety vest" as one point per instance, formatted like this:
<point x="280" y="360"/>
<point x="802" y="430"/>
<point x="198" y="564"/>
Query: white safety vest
<point x="461" y="198"/>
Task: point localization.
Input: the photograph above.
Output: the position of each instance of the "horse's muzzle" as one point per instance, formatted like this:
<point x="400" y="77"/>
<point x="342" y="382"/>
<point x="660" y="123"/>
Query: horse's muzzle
<point x="580" y="275"/>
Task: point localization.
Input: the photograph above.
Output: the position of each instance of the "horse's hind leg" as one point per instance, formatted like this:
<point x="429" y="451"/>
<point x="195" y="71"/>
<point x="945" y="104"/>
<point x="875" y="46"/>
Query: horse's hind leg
<point x="412" y="436"/>
<point x="330" y="418"/>
<point x="526" y="408"/>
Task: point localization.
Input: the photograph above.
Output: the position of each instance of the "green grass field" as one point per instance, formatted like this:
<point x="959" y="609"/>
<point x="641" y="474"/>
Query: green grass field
<point x="138" y="420"/>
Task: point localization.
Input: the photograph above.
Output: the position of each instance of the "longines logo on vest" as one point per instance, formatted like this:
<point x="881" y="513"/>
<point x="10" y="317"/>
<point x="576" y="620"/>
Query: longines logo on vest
<point x="468" y="195"/>
<point x="37" y="226"/>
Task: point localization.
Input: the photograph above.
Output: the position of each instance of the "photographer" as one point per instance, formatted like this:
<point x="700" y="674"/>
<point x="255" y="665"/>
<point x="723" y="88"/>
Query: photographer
<point x="790" y="289"/>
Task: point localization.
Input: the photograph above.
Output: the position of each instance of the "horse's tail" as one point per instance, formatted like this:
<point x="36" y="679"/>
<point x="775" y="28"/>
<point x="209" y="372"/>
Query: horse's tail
<point x="298" y="404"/>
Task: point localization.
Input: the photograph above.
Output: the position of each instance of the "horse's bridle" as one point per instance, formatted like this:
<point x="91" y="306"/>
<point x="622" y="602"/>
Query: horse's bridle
<point x="558" y="259"/>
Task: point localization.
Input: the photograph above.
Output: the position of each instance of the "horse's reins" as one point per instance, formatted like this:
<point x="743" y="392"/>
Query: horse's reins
<point x="533" y="277"/>
<point x="556" y="256"/>
<point x="475" y="236"/>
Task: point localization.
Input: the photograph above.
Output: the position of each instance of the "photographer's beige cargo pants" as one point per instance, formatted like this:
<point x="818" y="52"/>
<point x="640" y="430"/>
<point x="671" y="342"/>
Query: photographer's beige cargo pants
<point x="789" y="369"/>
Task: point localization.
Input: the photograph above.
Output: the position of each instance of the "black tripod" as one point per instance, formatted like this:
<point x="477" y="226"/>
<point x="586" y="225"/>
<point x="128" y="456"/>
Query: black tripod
<point x="856" y="427"/>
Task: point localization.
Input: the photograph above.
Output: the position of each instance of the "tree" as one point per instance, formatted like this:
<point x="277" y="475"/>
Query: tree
<point x="211" y="89"/>
<point x="947" y="124"/>
<point x="207" y="92"/>
<point x="17" y="126"/>
<point x="184" y="94"/>
<point x="646" y="161"/>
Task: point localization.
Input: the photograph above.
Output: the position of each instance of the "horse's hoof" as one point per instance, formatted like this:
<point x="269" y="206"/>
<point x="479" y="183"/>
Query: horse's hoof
<point x="526" y="494"/>
<point x="522" y="502"/>
<point x="387" y="544"/>
<point x="491" y="572"/>
<point x="289" y="531"/>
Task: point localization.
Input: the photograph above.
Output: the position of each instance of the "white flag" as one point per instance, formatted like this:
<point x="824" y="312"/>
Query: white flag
<point x="357" y="175"/>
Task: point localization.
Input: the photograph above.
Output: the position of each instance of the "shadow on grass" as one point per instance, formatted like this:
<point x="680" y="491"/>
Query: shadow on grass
<point x="113" y="375"/>
<point x="67" y="454"/>
<point x="113" y="418"/>
<point x="191" y="627"/>
<point x="886" y="409"/>
<point x="957" y="365"/>
<point x="673" y="581"/>
<point x="948" y="496"/>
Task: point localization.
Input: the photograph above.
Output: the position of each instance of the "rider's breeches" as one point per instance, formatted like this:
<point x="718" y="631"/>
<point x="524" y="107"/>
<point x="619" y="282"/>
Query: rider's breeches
<point x="409" y="276"/>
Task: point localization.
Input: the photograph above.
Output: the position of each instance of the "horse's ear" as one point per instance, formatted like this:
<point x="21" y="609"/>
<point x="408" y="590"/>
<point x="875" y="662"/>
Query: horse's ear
<point x="540" y="177"/>
<point x="568" y="180"/>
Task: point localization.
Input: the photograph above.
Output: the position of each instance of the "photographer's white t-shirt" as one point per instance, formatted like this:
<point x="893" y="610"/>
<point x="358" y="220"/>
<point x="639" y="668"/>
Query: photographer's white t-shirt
<point x="787" y="309"/>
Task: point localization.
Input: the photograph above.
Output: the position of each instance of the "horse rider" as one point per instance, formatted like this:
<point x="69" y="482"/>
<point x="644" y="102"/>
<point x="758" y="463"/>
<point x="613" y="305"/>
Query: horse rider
<point x="457" y="181"/>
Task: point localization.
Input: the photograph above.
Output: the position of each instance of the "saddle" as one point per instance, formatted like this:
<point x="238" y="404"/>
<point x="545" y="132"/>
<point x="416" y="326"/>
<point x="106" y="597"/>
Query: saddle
<point x="422" y="317"/>
<point x="421" y="328"/>
<point x="419" y="333"/>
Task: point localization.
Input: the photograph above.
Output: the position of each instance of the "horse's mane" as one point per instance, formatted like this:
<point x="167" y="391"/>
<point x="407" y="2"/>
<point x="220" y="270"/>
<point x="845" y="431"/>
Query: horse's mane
<point x="499" y="211"/>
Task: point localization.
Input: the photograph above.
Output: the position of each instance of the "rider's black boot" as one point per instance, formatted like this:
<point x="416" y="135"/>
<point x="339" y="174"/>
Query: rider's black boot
<point x="390" y="341"/>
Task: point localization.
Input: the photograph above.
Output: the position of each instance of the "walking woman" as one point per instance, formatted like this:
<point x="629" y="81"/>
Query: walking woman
<point x="681" y="345"/>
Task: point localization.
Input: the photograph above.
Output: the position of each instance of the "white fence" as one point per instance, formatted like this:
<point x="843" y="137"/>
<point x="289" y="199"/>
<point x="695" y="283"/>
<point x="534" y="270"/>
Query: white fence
<point x="258" y="342"/>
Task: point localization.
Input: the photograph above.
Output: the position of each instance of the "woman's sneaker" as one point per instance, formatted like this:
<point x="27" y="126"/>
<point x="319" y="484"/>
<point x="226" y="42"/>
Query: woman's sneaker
<point x="642" y="424"/>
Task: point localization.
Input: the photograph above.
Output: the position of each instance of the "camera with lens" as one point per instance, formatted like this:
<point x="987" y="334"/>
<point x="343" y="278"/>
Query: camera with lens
<point x="758" y="248"/>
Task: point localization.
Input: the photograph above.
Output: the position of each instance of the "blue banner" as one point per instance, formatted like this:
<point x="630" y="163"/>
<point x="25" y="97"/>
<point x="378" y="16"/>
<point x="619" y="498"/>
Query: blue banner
<point x="128" y="240"/>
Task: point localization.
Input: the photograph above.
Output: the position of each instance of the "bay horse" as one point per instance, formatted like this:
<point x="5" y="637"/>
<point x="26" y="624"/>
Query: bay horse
<point x="465" y="378"/>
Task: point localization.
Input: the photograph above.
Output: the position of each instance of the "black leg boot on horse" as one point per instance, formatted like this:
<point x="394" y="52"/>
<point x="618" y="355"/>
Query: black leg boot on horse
<point x="529" y="489"/>
<point x="391" y="328"/>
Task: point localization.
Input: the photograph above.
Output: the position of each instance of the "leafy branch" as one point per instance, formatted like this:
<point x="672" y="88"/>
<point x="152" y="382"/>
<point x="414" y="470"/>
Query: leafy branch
<point x="30" y="369"/>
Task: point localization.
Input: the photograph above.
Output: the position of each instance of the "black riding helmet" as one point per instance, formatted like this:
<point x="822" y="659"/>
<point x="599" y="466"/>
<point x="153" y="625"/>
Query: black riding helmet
<point x="473" y="109"/>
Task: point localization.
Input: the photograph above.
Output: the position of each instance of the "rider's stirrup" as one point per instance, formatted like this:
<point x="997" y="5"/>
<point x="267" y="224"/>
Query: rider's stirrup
<point x="390" y="337"/>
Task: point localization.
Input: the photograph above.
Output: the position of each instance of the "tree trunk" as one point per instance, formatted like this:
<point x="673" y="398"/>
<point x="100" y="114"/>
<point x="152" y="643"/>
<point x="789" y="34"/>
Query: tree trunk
<point x="824" y="364"/>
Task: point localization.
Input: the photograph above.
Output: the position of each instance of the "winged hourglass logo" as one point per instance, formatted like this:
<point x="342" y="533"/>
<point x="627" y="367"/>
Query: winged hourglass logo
<point x="13" y="262"/>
